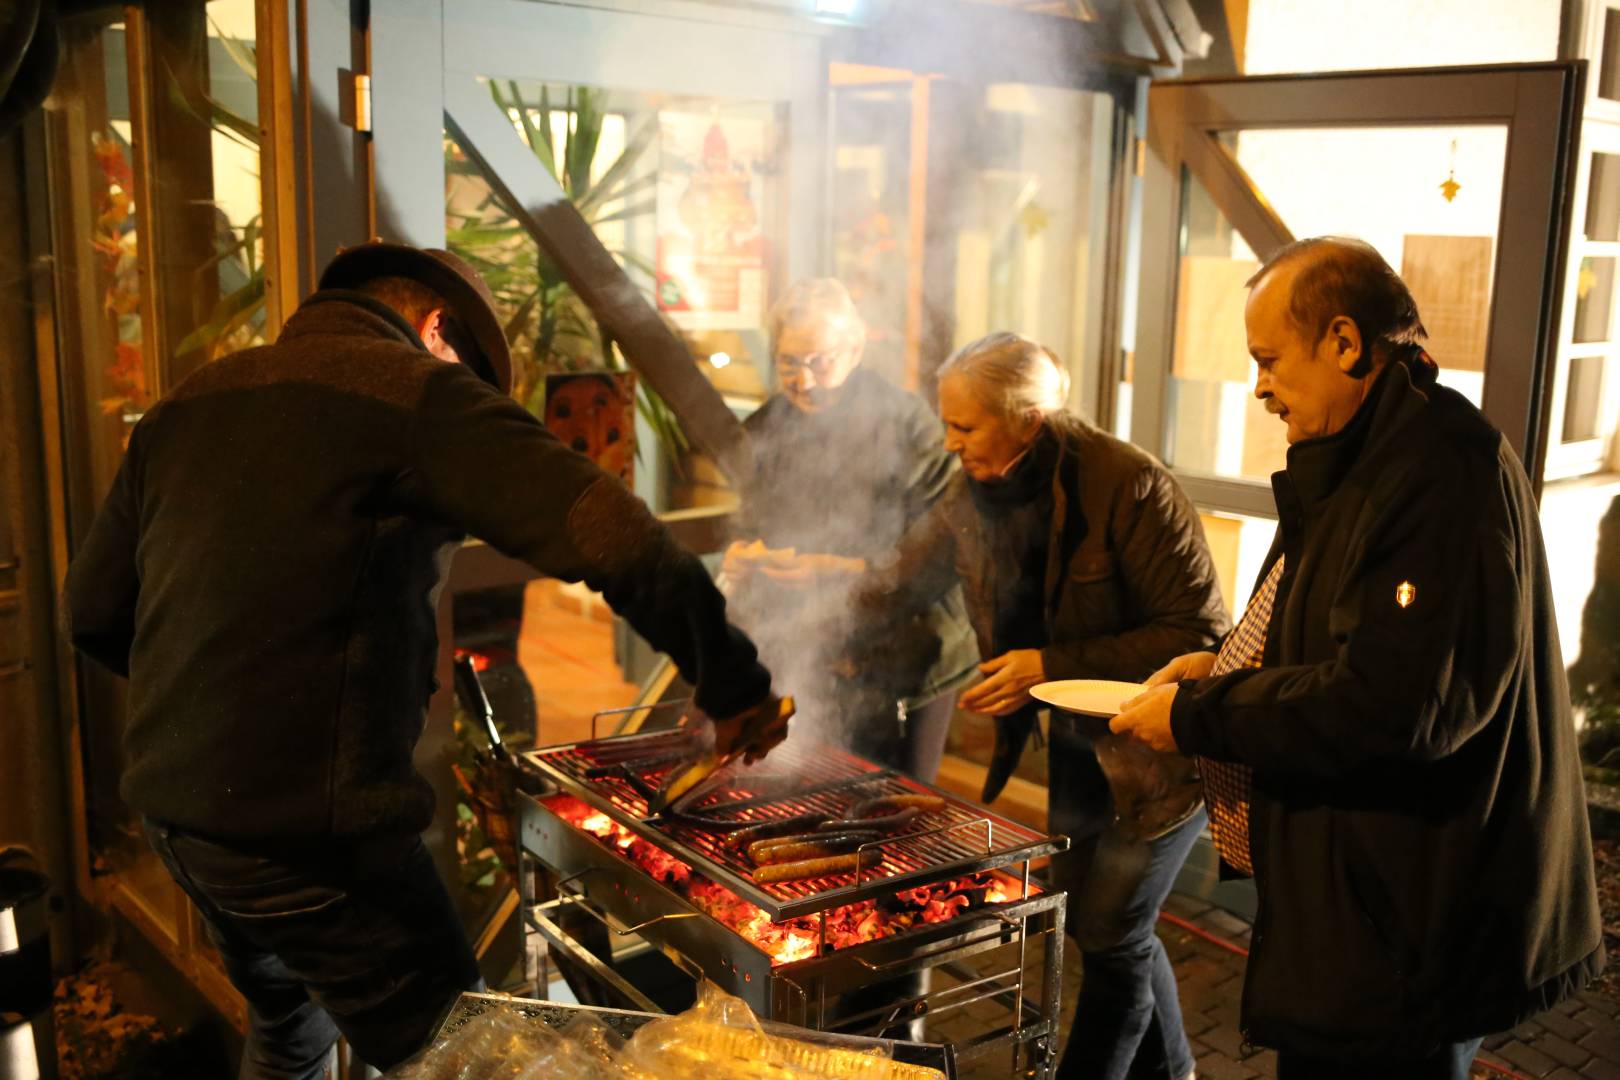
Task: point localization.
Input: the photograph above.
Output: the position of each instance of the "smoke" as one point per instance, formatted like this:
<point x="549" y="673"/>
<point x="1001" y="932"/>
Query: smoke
<point x="970" y="153"/>
<point x="832" y="486"/>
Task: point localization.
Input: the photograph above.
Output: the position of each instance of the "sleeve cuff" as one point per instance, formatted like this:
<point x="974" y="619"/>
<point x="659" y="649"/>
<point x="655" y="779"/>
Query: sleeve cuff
<point x="1183" y="718"/>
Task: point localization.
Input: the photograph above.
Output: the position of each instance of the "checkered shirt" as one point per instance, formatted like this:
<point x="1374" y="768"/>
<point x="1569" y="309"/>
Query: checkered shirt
<point x="1227" y="787"/>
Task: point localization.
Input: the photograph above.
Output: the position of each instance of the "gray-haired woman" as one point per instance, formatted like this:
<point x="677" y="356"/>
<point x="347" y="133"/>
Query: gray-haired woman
<point x="1079" y="557"/>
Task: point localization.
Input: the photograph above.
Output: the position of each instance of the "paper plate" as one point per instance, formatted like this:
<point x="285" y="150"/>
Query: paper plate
<point x="1092" y="697"/>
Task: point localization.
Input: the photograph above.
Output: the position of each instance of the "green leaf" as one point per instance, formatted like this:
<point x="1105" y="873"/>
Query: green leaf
<point x="520" y="317"/>
<point x="633" y="210"/>
<point x="634" y="187"/>
<point x="635" y="259"/>
<point x="233" y="309"/>
<point x="619" y="172"/>
<point x="242" y="54"/>
<point x="586" y="132"/>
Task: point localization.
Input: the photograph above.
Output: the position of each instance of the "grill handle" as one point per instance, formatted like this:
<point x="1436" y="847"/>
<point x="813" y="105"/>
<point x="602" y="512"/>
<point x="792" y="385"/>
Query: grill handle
<point x="470" y="692"/>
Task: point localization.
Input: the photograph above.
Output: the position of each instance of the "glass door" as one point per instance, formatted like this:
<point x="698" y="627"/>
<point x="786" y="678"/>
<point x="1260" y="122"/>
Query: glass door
<point x="1459" y="177"/>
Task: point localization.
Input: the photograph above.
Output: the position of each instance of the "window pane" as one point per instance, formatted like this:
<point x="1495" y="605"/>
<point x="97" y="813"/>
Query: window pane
<point x="1217" y="426"/>
<point x="1609" y="62"/>
<point x="683" y="191"/>
<point x="1024" y="206"/>
<point x="107" y="382"/>
<point x="1603" y="198"/>
<point x="1594" y="299"/>
<point x="871" y="211"/>
<point x="1584" y="399"/>
<point x="1238" y="546"/>
<point x="205" y="127"/>
<point x="1434" y="219"/>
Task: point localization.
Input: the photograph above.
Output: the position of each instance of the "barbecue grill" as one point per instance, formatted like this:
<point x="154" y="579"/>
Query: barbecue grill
<point x="944" y="909"/>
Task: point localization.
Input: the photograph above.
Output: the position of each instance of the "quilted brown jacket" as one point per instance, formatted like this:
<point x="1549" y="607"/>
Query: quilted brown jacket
<point x="1128" y="586"/>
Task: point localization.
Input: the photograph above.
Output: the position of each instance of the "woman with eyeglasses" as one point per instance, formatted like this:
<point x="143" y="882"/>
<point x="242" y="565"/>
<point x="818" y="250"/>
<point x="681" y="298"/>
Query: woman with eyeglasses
<point x="845" y="463"/>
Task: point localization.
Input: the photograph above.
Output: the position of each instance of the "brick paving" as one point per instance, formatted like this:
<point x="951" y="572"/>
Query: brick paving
<point x="1578" y="1040"/>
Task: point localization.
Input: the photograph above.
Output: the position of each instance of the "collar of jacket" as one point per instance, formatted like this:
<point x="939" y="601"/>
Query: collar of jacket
<point x="1068" y="515"/>
<point x="1316" y="467"/>
<point x="352" y="314"/>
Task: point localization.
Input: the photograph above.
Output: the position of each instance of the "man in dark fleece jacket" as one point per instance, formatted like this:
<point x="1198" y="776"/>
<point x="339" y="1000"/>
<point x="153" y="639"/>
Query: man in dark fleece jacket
<point x="265" y="571"/>
<point x="1413" y="815"/>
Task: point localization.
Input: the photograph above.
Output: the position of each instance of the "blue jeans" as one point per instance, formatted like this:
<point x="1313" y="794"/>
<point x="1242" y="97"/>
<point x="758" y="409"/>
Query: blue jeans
<point x="358" y="938"/>
<point x="1127" y="1022"/>
<point x="1450" y="1062"/>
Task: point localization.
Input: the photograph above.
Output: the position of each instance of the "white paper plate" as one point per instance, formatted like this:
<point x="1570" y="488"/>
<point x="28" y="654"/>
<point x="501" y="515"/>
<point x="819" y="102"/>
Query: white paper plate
<point x="1092" y="697"/>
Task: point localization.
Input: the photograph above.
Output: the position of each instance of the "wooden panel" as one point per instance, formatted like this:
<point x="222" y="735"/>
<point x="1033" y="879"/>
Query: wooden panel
<point x="1210" y="341"/>
<point x="1265" y="440"/>
<point x="1450" y="278"/>
<point x="1225" y="536"/>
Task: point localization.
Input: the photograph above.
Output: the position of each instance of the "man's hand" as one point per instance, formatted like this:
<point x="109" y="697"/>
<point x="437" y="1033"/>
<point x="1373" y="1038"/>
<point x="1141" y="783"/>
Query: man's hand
<point x="1195" y="665"/>
<point x="1007" y="681"/>
<point x="757" y="730"/>
<point x="741" y="559"/>
<point x="1146" y="717"/>
<point x="801" y="570"/>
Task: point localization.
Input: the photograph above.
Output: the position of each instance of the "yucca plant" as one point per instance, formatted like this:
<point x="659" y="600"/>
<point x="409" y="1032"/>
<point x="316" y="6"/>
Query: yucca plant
<point x="548" y="326"/>
<point x="238" y="316"/>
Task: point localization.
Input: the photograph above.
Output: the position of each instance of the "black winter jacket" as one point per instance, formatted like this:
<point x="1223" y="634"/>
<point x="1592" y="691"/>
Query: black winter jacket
<point x="267" y="565"/>
<point x="1418" y="833"/>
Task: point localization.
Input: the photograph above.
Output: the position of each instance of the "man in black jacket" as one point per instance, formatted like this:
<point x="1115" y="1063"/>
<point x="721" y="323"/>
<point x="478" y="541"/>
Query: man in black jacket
<point x="1386" y="735"/>
<point x="265" y="571"/>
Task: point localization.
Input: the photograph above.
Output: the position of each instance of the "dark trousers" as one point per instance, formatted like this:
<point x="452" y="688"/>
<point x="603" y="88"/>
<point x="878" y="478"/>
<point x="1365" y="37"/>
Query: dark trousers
<point x="1127" y="1022"/>
<point x="914" y="746"/>
<point x="1450" y="1062"/>
<point x="357" y="938"/>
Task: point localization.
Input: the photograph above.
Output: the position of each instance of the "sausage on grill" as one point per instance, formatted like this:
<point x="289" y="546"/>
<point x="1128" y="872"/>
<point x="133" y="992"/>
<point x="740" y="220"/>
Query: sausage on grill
<point x="810" y="868"/>
<point x="888" y="804"/>
<point x="807" y="846"/>
<point x="882" y="822"/>
<point x="765" y="830"/>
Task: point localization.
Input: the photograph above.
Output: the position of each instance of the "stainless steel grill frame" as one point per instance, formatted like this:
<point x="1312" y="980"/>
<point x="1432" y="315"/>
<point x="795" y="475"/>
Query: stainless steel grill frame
<point x="960" y="840"/>
<point x="1014" y="935"/>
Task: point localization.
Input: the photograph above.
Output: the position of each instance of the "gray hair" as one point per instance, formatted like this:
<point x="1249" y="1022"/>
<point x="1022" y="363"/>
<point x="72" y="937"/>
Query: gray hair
<point x="1011" y="375"/>
<point x="814" y="298"/>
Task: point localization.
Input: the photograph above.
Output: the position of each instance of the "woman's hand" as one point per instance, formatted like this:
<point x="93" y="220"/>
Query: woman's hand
<point x="1007" y="681"/>
<point x="1188" y="666"/>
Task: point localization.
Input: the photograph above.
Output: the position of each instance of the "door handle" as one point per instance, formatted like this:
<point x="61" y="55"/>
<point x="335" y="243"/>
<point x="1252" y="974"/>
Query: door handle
<point x="15" y="668"/>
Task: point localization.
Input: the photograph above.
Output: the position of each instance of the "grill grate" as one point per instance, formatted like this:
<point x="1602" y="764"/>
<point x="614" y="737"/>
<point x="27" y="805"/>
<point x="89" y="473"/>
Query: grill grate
<point x="799" y="777"/>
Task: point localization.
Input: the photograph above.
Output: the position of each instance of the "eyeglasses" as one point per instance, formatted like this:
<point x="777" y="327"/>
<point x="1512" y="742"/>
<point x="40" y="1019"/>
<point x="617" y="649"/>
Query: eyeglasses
<point x="818" y="364"/>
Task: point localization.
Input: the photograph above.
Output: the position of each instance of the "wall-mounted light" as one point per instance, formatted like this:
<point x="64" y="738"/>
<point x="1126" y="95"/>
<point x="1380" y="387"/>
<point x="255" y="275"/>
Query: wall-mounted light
<point x="719" y="360"/>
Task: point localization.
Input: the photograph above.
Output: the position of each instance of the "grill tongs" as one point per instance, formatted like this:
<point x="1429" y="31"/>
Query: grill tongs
<point x="475" y="703"/>
<point x="687" y="781"/>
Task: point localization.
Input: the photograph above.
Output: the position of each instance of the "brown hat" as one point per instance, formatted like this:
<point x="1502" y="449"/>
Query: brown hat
<point x="448" y="275"/>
